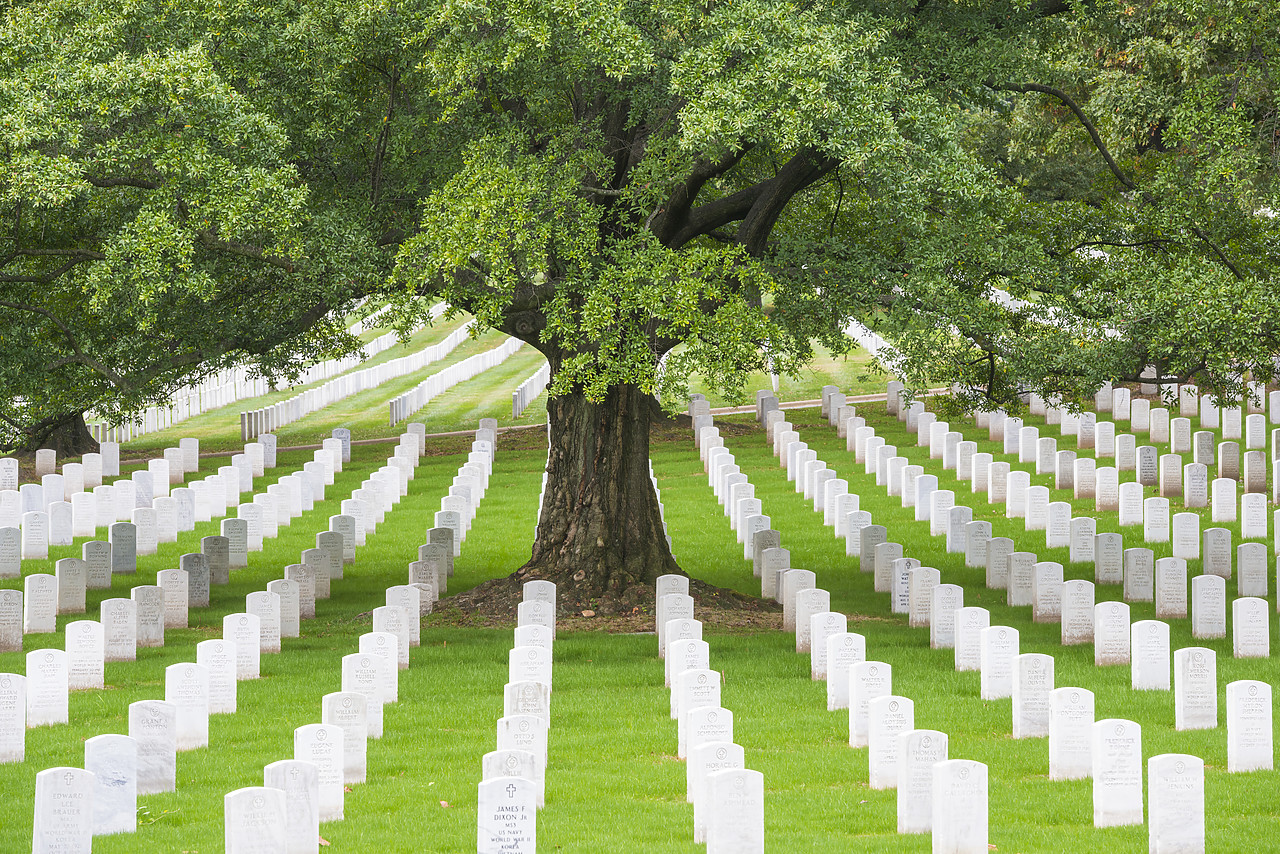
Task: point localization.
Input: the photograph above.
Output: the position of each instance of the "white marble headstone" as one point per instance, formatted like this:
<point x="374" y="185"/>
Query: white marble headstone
<point x="85" y="655"/>
<point x="1250" y="632"/>
<point x="255" y="819"/>
<point x="366" y="673"/>
<point x="300" y="782"/>
<point x="218" y="657"/>
<point x="918" y="751"/>
<point x="735" y="812"/>
<point x="703" y="761"/>
<point x="153" y="725"/>
<point x="349" y="710"/>
<point x="63" y="811"/>
<point x="1071" y="734"/>
<point x="245" y="632"/>
<point x="507" y="816"/>
<point x="322" y="745"/>
<point x="867" y="681"/>
<point x="999" y="649"/>
<point x="960" y="807"/>
<point x="1117" y="773"/>
<point x="1250" y="739"/>
<point x="1032" y="690"/>
<point x="843" y="651"/>
<point x="1175" y="798"/>
<point x="113" y="761"/>
<point x="46" y="687"/>
<point x="887" y="718"/>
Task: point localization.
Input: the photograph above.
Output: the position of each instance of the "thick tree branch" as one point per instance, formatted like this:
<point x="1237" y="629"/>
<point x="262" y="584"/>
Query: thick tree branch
<point x="250" y="345"/>
<point x="1088" y="126"/>
<point x="711" y="216"/>
<point x="796" y="175"/>
<point x="124" y="181"/>
<point x="1200" y="233"/>
<point x="384" y="135"/>
<point x="758" y="206"/>
<point x="1111" y="163"/>
<point x="1049" y="8"/>
<point x="676" y="213"/>
<point x="80" y="356"/>
<point x="211" y="240"/>
<point x="253" y="347"/>
<point x="1158" y="242"/>
<point x="85" y="254"/>
<point x="54" y="274"/>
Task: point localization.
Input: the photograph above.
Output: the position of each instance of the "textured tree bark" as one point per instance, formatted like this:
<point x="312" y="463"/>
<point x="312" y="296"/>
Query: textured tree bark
<point x="600" y="536"/>
<point x="66" y="434"/>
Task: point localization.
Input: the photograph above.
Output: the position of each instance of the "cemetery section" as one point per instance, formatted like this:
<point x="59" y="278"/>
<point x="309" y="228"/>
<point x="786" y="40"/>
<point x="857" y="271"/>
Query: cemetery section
<point x="1181" y="686"/>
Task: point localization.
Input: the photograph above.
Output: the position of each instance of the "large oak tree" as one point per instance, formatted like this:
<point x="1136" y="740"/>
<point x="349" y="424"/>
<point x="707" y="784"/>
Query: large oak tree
<point x="709" y="187"/>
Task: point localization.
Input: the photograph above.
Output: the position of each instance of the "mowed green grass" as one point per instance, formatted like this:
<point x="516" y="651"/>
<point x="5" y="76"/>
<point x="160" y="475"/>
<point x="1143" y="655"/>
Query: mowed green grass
<point x="460" y="408"/>
<point x="855" y="373"/>
<point x="367" y="413"/>
<point x="1040" y="815"/>
<point x="613" y="782"/>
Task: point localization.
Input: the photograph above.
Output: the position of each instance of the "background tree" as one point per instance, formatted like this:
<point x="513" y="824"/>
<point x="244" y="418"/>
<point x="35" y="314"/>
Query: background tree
<point x="1142" y="140"/>
<point x="156" y="224"/>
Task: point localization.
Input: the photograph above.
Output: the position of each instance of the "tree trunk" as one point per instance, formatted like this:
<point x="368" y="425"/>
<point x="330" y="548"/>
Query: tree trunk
<point x="600" y="536"/>
<point x="67" y="434"/>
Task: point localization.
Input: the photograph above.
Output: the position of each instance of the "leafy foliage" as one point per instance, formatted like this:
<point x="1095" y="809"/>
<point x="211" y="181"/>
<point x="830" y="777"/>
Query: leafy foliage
<point x="158" y="223"/>
<point x="640" y="190"/>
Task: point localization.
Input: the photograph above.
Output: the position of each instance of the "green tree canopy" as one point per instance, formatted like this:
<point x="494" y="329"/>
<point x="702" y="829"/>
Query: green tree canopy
<point x="720" y="184"/>
<point x="157" y="221"/>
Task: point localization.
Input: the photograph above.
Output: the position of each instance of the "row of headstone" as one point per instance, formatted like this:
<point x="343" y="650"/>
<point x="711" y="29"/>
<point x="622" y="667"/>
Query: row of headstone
<point x="141" y="620"/>
<point x="181" y="588"/>
<point x="1189" y="482"/>
<point x="732" y="489"/>
<point x="145" y="761"/>
<point x="1034" y="698"/>
<point x="1031" y="711"/>
<point x="1031" y="685"/>
<point x="1121" y="403"/>
<point x="1150" y="467"/>
<point x="458" y="508"/>
<point x="285" y="813"/>
<point x="727" y="797"/>
<point x="1036" y="583"/>
<point x="361" y="513"/>
<point x="513" y="776"/>
<point x="938" y="795"/>
<point x="1004" y="484"/>
<point x="835" y="654"/>
<point x="935" y="795"/>
<point x="155" y="513"/>
<point x="87" y="473"/>
<point x="118" y="768"/>
<point x="1040" y="585"/>
<point x="817" y="482"/>
<point x="79" y="479"/>
<point x="1035" y="702"/>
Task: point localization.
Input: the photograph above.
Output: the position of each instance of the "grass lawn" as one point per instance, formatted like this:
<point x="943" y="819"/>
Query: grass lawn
<point x="366" y="413"/>
<point x="855" y="373"/>
<point x="488" y="396"/>
<point x="613" y="781"/>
